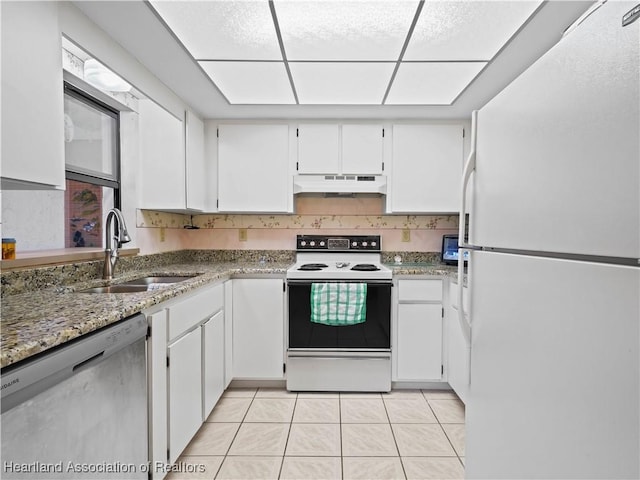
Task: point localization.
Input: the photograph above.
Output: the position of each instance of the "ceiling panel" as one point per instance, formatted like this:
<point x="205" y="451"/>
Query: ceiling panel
<point x="251" y="82"/>
<point x="436" y="83"/>
<point x="344" y="30"/>
<point x="466" y="30"/>
<point x="222" y="30"/>
<point x="341" y="83"/>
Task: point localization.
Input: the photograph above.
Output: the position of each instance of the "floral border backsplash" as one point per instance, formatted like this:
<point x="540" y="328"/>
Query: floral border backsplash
<point x="153" y="219"/>
<point x="277" y="232"/>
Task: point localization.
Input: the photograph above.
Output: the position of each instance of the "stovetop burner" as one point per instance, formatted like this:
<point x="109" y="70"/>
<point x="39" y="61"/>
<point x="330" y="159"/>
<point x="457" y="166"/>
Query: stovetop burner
<point x="341" y="258"/>
<point x="365" y="267"/>
<point x="312" y="266"/>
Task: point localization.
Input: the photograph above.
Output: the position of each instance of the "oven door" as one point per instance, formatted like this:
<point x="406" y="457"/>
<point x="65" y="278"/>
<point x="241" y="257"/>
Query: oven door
<point x="371" y="335"/>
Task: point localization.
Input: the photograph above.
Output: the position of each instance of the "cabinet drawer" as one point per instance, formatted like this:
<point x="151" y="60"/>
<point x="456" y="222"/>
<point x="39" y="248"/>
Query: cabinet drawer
<point x="184" y="315"/>
<point x="420" y="290"/>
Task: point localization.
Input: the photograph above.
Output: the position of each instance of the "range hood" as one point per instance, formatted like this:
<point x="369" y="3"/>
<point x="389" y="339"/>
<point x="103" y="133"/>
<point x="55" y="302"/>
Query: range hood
<point x="340" y="184"/>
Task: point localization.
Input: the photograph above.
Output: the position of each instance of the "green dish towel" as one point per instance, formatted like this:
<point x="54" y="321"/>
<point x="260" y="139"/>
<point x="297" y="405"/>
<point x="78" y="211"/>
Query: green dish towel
<point x="338" y="304"/>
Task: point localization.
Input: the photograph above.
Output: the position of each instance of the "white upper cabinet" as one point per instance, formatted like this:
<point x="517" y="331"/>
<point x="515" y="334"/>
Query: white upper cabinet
<point x="362" y="149"/>
<point x="32" y="96"/>
<point x="174" y="169"/>
<point x="318" y="149"/>
<point x="196" y="167"/>
<point x="253" y="169"/>
<point x="162" y="161"/>
<point x="334" y="149"/>
<point x="427" y="168"/>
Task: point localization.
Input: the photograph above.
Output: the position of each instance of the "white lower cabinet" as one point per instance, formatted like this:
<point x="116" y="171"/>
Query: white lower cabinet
<point x="458" y="352"/>
<point x="417" y="350"/>
<point x="213" y="367"/>
<point x="186" y="361"/>
<point x="158" y="397"/>
<point x="228" y="332"/>
<point x="258" y="328"/>
<point x="419" y="342"/>
<point x="185" y="391"/>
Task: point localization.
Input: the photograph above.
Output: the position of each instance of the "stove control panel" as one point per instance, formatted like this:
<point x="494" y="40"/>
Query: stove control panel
<point x="338" y="243"/>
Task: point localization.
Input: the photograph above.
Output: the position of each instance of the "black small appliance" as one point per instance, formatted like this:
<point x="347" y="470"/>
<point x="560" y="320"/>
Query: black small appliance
<point x="449" y="253"/>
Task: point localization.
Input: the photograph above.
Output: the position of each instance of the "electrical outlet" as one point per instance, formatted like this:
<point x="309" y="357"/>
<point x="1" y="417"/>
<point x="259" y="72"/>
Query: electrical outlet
<point x="162" y="234"/>
<point x="406" y="235"/>
<point x="242" y="234"/>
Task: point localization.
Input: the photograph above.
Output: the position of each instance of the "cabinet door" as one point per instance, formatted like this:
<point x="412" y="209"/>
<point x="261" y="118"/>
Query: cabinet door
<point x="196" y="169"/>
<point x="157" y="368"/>
<point x="185" y="391"/>
<point x="427" y="168"/>
<point x="32" y="96"/>
<point x="211" y="161"/>
<point x="228" y="332"/>
<point x="258" y="328"/>
<point x="162" y="167"/>
<point x="362" y="149"/>
<point x="318" y="149"/>
<point x="253" y="169"/>
<point x="419" y="343"/>
<point x="212" y="362"/>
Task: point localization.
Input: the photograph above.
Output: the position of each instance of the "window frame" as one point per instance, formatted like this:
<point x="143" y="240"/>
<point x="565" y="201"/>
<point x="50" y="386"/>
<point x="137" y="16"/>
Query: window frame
<point x="95" y="179"/>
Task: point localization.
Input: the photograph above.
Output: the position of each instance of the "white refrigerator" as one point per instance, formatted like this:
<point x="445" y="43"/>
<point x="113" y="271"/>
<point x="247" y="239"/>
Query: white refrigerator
<point x="554" y="281"/>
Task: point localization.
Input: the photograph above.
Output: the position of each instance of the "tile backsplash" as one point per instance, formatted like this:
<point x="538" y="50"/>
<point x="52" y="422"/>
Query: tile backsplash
<point x="314" y="215"/>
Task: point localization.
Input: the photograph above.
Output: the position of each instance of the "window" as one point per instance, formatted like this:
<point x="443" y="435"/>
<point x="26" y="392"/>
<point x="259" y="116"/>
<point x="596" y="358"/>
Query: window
<point x="92" y="158"/>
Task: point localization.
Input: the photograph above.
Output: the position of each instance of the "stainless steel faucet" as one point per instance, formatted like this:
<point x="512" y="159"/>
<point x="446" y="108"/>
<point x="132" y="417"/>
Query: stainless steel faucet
<point x="113" y="240"/>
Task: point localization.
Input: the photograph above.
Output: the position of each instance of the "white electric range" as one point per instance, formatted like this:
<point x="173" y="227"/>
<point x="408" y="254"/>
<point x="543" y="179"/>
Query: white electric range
<point x="329" y="357"/>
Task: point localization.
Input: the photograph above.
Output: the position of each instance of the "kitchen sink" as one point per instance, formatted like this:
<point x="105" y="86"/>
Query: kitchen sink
<point x="158" y="279"/>
<point x="141" y="284"/>
<point x="116" y="289"/>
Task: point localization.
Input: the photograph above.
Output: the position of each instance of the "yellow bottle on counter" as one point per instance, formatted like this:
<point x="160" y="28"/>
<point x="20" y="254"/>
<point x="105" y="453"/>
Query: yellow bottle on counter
<point x="8" y="248"/>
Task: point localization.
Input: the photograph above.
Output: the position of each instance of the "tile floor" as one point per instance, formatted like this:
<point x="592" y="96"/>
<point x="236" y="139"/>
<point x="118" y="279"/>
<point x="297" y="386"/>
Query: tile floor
<point x="274" y="434"/>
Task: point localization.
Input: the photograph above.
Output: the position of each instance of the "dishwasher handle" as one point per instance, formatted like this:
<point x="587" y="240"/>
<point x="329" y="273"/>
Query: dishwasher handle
<point x="30" y="377"/>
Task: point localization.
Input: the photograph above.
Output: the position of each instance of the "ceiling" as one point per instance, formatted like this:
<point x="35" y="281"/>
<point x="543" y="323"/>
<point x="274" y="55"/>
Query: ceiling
<point x="344" y="52"/>
<point x="338" y="59"/>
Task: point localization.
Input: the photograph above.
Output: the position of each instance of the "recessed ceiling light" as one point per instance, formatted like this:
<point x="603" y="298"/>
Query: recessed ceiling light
<point x="222" y="30"/>
<point x="344" y="30"/>
<point x="431" y="83"/>
<point x="252" y="83"/>
<point x="328" y="83"/>
<point x="466" y="30"/>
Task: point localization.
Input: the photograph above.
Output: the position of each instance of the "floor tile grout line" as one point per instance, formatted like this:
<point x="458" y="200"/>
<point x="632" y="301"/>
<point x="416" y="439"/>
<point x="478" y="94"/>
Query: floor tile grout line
<point x="341" y="443"/>
<point x="286" y="443"/>
<point x="450" y="442"/>
<point x="395" y="440"/>
<point x="236" y="434"/>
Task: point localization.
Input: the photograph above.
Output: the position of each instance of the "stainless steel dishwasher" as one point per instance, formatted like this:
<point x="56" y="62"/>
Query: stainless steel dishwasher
<point x="79" y="411"/>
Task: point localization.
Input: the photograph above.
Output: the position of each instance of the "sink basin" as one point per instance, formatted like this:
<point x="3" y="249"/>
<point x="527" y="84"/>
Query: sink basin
<point x="159" y="279"/>
<point x="142" y="284"/>
<point x="116" y="289"/>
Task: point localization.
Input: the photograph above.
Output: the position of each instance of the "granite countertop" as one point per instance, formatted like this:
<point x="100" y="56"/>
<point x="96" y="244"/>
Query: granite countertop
<point x="423" y="268"/>
<point x="36" y="321"/>
<point x="40" y="319"/>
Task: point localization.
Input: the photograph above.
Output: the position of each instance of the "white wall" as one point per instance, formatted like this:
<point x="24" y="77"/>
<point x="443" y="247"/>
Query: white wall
<point x="35" y="218"/>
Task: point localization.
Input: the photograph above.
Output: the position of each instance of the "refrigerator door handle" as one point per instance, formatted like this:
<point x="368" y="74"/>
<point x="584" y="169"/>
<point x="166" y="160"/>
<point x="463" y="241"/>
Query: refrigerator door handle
<point x="469" y="168"/>
<point x="463" y="318"/>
